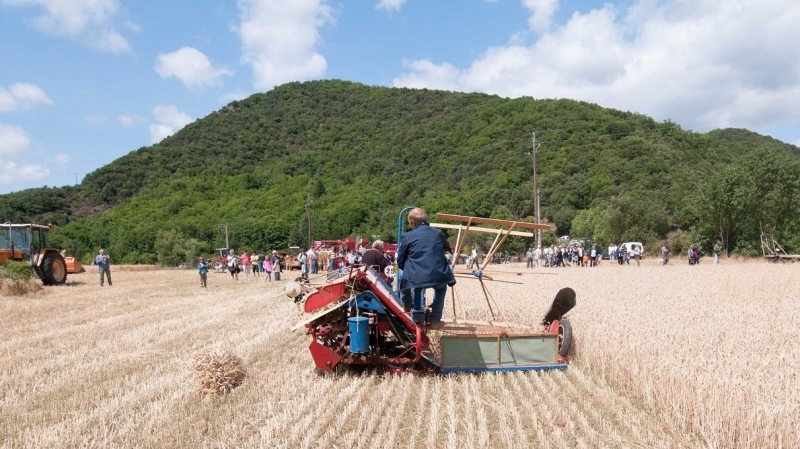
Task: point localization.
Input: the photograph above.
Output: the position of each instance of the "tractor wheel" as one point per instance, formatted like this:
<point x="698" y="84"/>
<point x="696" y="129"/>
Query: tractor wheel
<point x="54" y="269"/>
<point x="564" y="337"/>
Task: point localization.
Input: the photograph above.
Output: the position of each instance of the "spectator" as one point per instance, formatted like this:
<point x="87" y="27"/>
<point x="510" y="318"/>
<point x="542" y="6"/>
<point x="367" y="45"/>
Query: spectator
<point x="374" y="258"/>
<point x="313" y="259"/>
<point x="267" y="265"/>
<point x="233" y="265"/>
<point x="303" y="258"/>
<point x="202" y="268"/>
<point x="665" y="250"/>
<point x="103" y="262"/>
<point x="245" y="259"/>
<point x="276" y="268"/>
<point x="254" y="264"/>
<point x="621" y="254"/>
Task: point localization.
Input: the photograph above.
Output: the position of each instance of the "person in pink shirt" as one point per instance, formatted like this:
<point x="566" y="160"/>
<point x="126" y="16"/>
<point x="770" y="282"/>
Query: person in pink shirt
<point x="267" y="269"/>
<point x="246" y="264"/>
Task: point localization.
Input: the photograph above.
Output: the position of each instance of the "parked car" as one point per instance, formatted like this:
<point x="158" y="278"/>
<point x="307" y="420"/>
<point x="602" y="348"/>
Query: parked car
<point x="634" y="248"/>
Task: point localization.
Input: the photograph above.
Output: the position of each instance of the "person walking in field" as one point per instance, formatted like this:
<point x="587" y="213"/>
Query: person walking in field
<point x="202" y="268"/>
<point x="717" y="251"/>
<point x="103" y="262"/>
<point x="233" y="265"/>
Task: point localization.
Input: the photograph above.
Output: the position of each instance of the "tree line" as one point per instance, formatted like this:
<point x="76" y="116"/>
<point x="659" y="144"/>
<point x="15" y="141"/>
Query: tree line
<point x="362" y="153"/>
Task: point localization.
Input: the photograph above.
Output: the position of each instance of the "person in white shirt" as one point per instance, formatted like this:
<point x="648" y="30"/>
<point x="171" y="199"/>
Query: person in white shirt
<point x="313" y="260"/>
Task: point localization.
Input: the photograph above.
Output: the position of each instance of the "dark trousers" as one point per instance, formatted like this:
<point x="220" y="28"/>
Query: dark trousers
<point x="107" y="272"/>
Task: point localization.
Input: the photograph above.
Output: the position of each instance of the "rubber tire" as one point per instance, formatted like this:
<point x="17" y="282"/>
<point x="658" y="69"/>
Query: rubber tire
<point x="565" y="334"/>
<point x="54" y="269"/>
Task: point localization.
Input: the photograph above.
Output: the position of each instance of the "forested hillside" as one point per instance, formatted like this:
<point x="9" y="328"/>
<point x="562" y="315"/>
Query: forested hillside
<point x="361" y="153"/>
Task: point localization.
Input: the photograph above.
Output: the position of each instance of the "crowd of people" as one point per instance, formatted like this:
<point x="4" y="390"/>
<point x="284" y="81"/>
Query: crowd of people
<point x="310" y="262"/>
<point x="337" y="260"/>
<point x="576" y="255"/>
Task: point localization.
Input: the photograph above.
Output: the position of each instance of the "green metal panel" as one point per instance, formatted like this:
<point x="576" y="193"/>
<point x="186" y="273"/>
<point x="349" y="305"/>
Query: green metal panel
<point x="528" y="350"/>
<point x="469" y="350"/>
<point x="482" y="351"/>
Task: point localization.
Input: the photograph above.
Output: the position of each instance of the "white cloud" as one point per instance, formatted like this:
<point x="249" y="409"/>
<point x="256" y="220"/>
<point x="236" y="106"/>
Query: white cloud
<point x="701" y="63"/>
<point x="130" y="121"/>
<point x="541" y="13"/>
<point x="22" y="96"/>
<point x="62" y="159"/>
<point x="279" y="39"/>
<point x="168" y="121"/>
<point x="426" y="74"/>
<point x="191" y="67"/>
<point x="14" y="173"/>
<point x="13" y="140"/>
<point x="91" y="22"/>
<point x="390" y="4"/>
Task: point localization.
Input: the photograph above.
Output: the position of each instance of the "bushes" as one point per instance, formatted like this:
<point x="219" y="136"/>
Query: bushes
<point x="17" y="279"/>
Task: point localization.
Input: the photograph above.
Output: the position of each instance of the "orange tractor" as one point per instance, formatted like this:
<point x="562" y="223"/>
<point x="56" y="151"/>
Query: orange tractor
<point x="29" y="243"/>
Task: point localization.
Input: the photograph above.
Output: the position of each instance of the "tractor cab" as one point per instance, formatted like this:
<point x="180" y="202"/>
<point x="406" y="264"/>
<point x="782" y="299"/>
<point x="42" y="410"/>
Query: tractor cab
<point x="30" y="243"/>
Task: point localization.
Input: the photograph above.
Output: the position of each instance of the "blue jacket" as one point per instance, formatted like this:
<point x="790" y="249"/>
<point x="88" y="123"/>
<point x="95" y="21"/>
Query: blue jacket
<point x="421" y="257"/>
<point x="102" y="262"/>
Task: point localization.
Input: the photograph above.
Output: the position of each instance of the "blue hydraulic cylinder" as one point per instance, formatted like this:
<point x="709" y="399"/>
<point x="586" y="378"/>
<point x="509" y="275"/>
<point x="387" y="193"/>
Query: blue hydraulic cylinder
<point x="359" y="334"/>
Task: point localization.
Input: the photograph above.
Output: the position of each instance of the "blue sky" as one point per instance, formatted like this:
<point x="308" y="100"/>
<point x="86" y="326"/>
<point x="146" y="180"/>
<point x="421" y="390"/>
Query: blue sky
<point x="83" y="82"/>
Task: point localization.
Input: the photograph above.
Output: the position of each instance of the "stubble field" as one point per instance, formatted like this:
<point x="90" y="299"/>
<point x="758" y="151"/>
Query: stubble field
<point x="667" y="357"/>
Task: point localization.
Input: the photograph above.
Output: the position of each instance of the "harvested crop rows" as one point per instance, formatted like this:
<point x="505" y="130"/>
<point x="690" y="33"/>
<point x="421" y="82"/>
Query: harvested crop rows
<point x="673" y="356"/>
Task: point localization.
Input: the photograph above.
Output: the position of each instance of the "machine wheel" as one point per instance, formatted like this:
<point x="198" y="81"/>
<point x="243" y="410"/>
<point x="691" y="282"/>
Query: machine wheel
<point x="564" y="337"/>
<point x="54" y="269"/>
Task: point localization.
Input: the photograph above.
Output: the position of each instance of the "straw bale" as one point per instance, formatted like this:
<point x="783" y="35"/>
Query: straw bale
<point x="218" y="372"/>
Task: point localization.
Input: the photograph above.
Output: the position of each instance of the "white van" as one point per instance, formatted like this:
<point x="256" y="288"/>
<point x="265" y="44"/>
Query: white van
<point x="634" y="248"/>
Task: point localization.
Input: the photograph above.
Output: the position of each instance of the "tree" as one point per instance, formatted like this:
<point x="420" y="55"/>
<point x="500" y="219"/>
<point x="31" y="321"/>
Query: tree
<point x="173" y="248"/>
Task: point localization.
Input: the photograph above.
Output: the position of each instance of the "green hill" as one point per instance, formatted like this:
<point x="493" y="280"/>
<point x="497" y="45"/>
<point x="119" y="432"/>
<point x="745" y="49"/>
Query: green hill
<point x="359" y="154"/>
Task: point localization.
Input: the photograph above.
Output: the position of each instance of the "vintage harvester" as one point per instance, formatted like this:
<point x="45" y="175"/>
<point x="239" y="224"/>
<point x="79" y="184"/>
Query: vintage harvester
<point x="357" y="320"/>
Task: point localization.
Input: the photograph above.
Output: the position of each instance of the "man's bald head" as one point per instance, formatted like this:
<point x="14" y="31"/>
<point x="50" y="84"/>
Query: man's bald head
<point x="417" y="216"/>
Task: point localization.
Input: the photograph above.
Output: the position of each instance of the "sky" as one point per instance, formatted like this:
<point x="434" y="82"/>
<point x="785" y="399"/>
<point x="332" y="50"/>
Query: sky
<point x="84" y="82"/>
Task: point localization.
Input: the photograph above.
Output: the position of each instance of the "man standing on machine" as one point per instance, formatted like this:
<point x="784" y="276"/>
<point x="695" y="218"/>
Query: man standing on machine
<point x="422" y="259"/>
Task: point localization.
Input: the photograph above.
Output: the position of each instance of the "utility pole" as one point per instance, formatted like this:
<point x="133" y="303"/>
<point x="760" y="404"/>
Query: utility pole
<point x="535" y="189"/>
<point x="308" y="209"/>
<point x="225" y="225"/>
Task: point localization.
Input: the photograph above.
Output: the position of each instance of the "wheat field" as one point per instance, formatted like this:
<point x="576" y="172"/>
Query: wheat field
<point x="666" y="357"/>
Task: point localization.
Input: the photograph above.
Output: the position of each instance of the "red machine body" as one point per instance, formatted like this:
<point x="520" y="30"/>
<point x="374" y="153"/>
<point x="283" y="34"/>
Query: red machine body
<point x="389" y="339"/>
